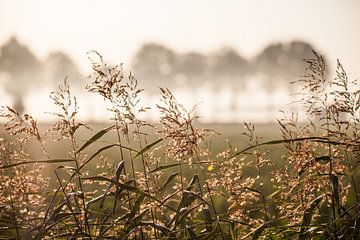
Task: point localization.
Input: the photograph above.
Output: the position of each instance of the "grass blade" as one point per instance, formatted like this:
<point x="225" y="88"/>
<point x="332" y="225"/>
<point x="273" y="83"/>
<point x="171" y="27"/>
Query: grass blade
<point x="168" y="180"/>
<point x="59" y="160"/>
<point x="103" y="149"/>
<point x="160" y="168"/>
<point x="194" y="179"/>
<point x="274" y="142"/>
<point x="95" y="137"/>
<point x="308" y="216"/>
<point x="213" y="231"/>
<point x="146" y="148"/>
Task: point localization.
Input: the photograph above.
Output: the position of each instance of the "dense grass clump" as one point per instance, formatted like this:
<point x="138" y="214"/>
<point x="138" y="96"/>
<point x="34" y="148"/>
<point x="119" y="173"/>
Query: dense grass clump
<point x="175" y="187"/>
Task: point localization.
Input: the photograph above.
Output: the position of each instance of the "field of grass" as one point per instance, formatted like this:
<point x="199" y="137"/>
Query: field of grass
<point x="232" y="133"/>
<point x="178" y="179"/>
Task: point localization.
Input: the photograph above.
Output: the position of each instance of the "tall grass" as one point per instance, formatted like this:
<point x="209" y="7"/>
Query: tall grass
<point x="175" y="187"/>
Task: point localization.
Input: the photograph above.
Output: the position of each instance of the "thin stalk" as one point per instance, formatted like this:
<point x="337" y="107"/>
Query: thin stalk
<point x="181" y="176"/>
<point x="62" y="188"/>
<point x="87" y="226"/>
<point x="131" y="159"/>
<point x="14" y="216"/>
<point x="13" y="209"/>
<point x="133" y="172"/>
<point x="356" y="140"/>
<point x="209" y="191"/>
<point x="122" y="159"/>
<point x="333" y="207"/>
<point x="263" y="198"/>
<point x="327" y="112"/>
<point x="146" y="176"/>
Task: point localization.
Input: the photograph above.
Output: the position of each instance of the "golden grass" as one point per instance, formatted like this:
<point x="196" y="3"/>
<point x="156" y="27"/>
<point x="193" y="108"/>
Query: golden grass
<point x="175" y="187"/>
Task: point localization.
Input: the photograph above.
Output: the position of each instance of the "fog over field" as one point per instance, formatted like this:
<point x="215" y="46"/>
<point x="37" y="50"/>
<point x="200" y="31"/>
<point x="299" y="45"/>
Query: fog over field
<point x="236" y="66"/>
<point x="222" y="83"/>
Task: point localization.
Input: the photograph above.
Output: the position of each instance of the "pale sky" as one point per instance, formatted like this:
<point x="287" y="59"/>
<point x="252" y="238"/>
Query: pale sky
<point x="118" y="28"/>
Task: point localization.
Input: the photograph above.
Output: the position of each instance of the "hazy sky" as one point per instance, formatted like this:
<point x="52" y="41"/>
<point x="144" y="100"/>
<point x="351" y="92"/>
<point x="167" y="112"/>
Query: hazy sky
<point x="118" y="28"/>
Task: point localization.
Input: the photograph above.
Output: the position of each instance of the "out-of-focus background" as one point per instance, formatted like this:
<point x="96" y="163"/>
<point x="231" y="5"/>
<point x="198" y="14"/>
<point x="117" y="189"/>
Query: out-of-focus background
<point x="234" y="58"/>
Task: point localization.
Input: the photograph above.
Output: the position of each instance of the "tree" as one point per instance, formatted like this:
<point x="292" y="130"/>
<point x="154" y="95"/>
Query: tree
<point x="283" y="63"/>
<point x="155" y="65"/>
<point x="57" y="66"/>
<point x="23" y="68"/>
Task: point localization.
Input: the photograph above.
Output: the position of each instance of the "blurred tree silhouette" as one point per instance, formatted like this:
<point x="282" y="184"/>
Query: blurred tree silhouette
<point x="283" y="63"/>
<point x="278" y="63"/>
<point x="228" y="64"/>
<point x="193" y="64"/>
<point x="57" y="66"/>
<point x="23" y="68"/>
<point x="155" y="66"/>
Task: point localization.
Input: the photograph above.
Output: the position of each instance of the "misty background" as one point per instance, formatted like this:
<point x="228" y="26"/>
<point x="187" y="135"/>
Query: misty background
<point x="223" y="82"/>
<point x="235" y="59"/>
